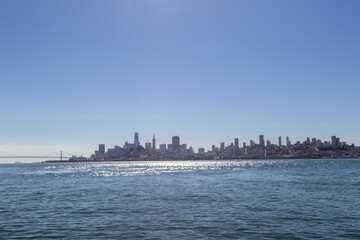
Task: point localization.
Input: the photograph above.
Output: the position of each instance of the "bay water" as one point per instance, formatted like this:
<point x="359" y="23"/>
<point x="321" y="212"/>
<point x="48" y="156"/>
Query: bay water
<point x="226" y="199"/>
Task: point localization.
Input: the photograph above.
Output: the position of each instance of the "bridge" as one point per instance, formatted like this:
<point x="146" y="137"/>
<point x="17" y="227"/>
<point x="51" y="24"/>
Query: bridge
<point x="55" y="155"/>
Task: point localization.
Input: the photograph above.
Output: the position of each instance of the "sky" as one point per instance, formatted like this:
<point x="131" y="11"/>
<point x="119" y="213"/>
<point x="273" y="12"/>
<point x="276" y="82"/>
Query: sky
<point x="76" y="73"/>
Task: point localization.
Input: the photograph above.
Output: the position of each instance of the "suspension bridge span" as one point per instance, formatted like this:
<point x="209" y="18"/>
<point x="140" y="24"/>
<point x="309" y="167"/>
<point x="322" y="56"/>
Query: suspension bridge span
<point x="56" y="155"/>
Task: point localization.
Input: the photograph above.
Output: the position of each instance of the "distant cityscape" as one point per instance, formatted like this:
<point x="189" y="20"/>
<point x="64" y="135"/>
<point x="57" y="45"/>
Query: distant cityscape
<point x="310" y="148"/>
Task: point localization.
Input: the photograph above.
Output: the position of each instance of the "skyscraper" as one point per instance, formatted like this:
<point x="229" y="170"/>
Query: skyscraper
<point x="288" y="143"/>
<point x="261" y="140"/>
<point x="101" y="152"/>
<point x="280" y="141"/>
<point x="136" y="140"/>
<point x="183" y="148"/>
<point x="162" y="147"/>
<point x="170" y="148"/>
<point x="236" y="143"/>
<point x="102" y="148"/>
<point x="175" y="144"/>
<point x="153" y="142"/>
<point x="333" y="142"/>
<point x="222" y="146"/>
<point x="148" y="146"/>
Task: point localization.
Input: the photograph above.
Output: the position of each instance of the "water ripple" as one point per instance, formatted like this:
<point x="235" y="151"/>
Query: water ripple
<point x="259" y="199"/>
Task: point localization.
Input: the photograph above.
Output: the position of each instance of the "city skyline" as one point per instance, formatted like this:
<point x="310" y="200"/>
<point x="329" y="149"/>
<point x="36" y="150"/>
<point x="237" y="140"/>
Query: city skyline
<point x="78" y="73"/>
<point x="175" y="141"/>
<point x="177" y="146"/>
<point x="178" y="150"/>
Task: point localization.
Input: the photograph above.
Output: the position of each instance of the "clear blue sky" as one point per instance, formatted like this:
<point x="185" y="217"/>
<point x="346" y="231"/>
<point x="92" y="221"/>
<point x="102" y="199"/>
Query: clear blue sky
<point x="77" y="73"/>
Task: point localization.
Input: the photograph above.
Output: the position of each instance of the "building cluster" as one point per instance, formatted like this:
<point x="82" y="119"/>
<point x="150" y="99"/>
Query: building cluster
<point x="149" y="150"/>
<point x="310" y="148"/>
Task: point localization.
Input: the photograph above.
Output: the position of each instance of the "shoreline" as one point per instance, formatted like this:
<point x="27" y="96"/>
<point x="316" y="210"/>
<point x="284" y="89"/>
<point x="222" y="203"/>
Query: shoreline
<point x="202" y="159"/>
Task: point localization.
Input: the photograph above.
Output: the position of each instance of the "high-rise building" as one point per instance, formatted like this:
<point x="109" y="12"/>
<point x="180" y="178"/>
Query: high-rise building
<point x="175" y="144"/>
<point x="101" y="152"/>
<point x="128" y="146"/>
<point x="136" y="140"/>
<point x="261" y="140"/>
<point x="170" y="148"/>
<point x="236" y="141"/>
<point x="162" y="147"/>
<point x="213" y="148"/>
<point x="183" y="148"/>
<point x="201" y="150"/>
<point x="288" y="143"/>
<point x="252" y="143"/>
<point x="318" y="143"/>
<point x="334" y="142"/>
<point x="280" y="141"/>
<point x="244" y="144"/>
<point x="222" y="146"/>
<point x="191" y="150"/>
<point x="148" y="146"/>
<point x="268" y="143"/>
<point x="101" y="148"/>
<point x="153" y="142"/>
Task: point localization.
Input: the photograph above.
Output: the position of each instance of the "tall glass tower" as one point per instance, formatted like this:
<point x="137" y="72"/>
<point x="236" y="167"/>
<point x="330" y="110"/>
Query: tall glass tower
<point x="153" y="142"/>
<point x="136" y="140"/>
<point x="176" y="144"/>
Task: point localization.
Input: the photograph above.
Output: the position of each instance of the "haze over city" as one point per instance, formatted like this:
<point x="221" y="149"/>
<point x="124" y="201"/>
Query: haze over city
<point x="87" y="72"/>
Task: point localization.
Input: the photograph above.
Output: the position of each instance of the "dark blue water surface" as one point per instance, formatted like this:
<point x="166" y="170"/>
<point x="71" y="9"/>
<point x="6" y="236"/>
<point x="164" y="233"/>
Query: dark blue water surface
<point x="259" y="199"/>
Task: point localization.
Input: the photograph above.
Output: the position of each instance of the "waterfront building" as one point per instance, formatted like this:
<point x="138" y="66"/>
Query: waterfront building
<point x="115" y="152"/>
<point x="175" y="144"/>
<point x="280" y="141"/>
<point x="261" y="140"/>
<point x="201" y="150"/>
<point x="101" y="152"/>
<point x="268" y="143"/>
<point x="153" y="142"/>
<point x="136" y="140"/>
<point x="236" y="141"/>
<point x="252" y="143"/>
